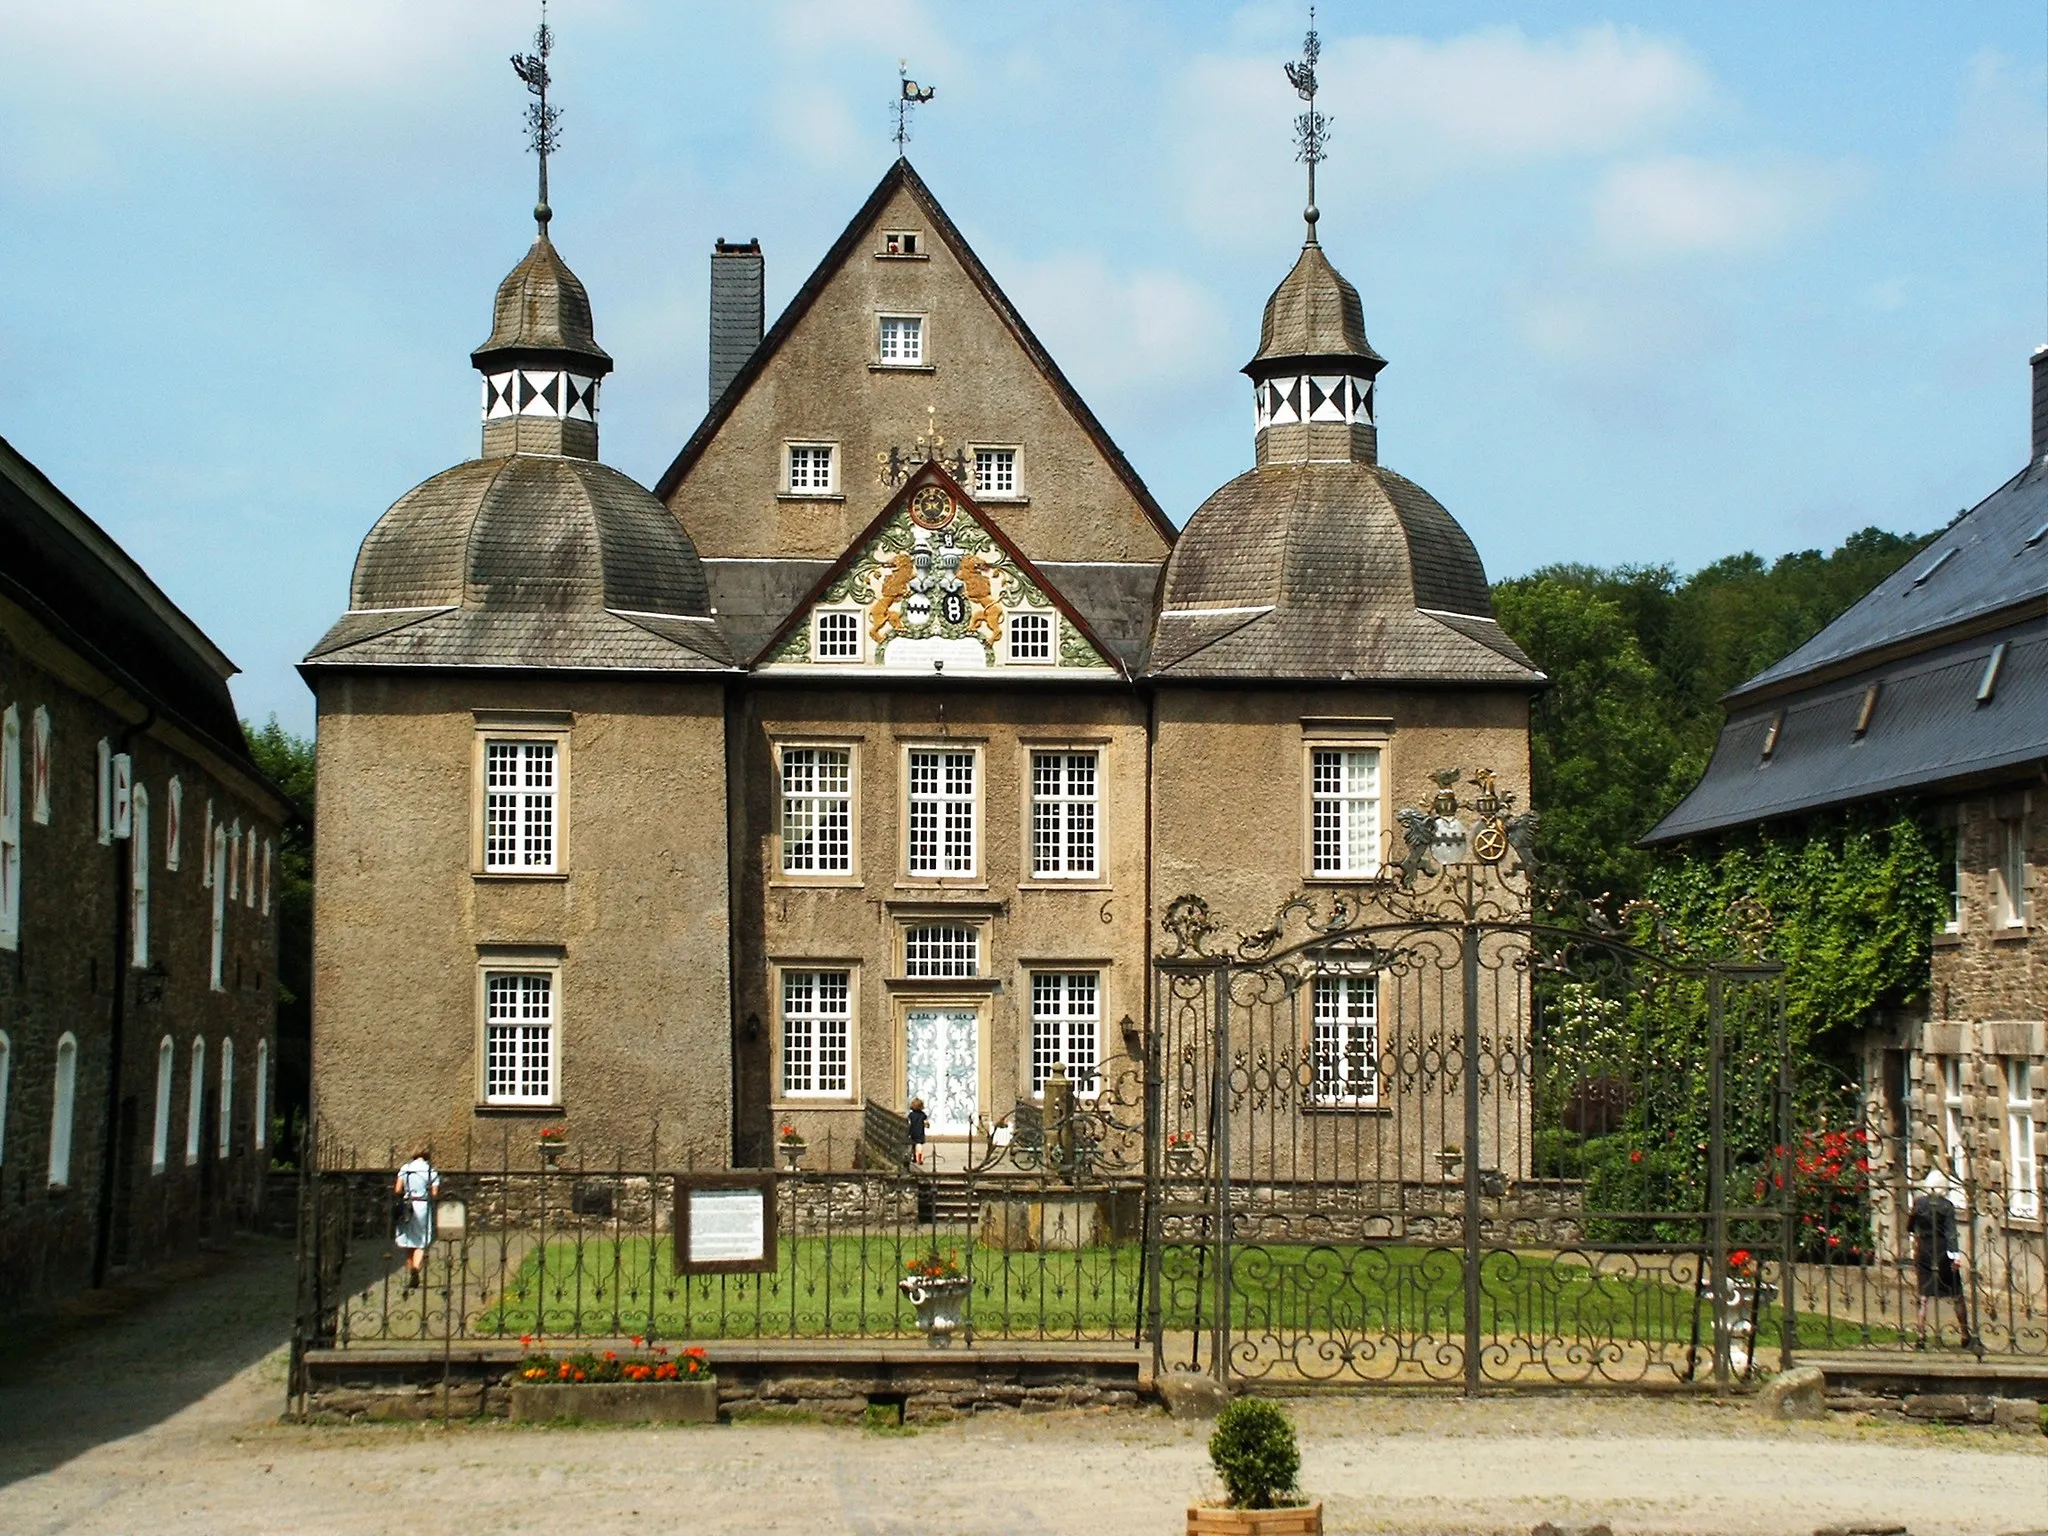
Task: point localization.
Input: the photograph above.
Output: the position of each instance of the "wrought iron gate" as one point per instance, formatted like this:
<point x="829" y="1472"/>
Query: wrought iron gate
<point x="1435" y="1135"/>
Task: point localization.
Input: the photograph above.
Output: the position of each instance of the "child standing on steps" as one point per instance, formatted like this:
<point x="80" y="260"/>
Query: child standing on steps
<point x="916" y="1119"/>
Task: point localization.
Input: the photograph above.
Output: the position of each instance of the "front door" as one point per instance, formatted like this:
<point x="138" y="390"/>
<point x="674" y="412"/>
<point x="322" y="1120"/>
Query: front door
<point x="941" y="1051"/>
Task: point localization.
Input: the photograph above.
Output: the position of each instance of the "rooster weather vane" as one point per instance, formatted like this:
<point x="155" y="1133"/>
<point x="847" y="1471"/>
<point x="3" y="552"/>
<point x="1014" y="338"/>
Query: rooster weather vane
<point x="1311" y="128"/>
<point x="543" y="122"/>
<point x="909" y="94"/>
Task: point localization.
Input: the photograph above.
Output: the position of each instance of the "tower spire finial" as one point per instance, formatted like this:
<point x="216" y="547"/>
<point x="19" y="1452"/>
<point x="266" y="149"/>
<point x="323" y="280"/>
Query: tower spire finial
<point x="909" y="94"/>
<point x="1311" y="128"/>
<point x="543" y="131"/>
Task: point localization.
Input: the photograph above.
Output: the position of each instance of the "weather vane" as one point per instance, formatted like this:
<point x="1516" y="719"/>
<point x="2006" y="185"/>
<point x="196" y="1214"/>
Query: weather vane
<point x="543" y="131"/>
<point x="910" y="94"/>
<point x="1311" y="128"/>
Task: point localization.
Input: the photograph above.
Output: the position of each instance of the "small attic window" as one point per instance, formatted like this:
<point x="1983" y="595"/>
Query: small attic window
<point x="1939" y="561"/>
<point x="1868" y="708"/>
<point x="1987" y="685"/>
<point x="1771" y="736"/>
<point x="901" y="242"/>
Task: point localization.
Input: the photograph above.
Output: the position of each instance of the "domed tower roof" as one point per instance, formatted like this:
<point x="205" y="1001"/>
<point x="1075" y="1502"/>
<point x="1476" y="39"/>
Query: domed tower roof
<point x="542" y="314"/>
<point x="1315" y="316"/>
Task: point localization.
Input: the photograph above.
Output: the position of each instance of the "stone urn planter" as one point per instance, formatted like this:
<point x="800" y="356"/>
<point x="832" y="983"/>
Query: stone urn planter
<point x="941" y="1305"/>
<point x="792" y="1149"/>
<point x="1298" y="1520"/>
<point x="1182" y="1157"/>
<point x="551" y="1151"/>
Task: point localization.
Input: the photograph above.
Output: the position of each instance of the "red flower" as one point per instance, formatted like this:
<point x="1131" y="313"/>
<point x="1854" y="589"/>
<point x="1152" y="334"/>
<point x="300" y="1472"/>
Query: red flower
<point x="1636" y="1156"/>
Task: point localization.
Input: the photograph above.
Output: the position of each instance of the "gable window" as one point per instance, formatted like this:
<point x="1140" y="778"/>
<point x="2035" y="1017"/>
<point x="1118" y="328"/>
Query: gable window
<point x="902" y="340"/>
<point x="519" y="807"/>
<point x="2022" y="1172"/>
<point x="39" y="767"/>
<point x="174" y="826"/>
<point x="1346" y="1043"/>
<point x="942" y="830"/>
<point x="1031" y="637"/>
<point x="519" y="1037"/>
<point x="817" y="1027"/>
<point x="838" y="636"/>
<point x="942" y="950"/>
<point x="995" y="472"/>
<point x="10" y="827"/>
<point x="810" y="469"/>
<point x="226" y="1142"/>
<point x="900" y="242"/>
<point x="138" y="881"/>
<point x="2009" y="882"/>
<point x="1065" y="1022"/>
<point x="62" y="1109"/>
<point x="817" y="811"/>
<point x="160" y="1134"/>
<point x="1063" y="815"/>
<point x="1345" y="811"/>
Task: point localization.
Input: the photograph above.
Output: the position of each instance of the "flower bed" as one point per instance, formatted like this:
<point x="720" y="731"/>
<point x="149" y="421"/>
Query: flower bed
<point x="651" y="1386"/>
<point x="655" y="1364"/>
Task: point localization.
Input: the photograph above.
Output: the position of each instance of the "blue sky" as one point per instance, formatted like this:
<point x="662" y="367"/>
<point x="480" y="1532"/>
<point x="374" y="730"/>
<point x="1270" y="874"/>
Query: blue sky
<point x="1657" y="283"/>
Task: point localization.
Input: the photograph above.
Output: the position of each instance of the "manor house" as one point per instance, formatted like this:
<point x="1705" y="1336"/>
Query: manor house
<point x="858" y="761"/>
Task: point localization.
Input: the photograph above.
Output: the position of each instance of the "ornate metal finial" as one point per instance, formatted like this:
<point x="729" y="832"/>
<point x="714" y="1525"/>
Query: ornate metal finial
<point x="1311" y="128"/>
<point x="895" y="465"/>
<point x="543" y="130"/>
<point x="909" y="94"/>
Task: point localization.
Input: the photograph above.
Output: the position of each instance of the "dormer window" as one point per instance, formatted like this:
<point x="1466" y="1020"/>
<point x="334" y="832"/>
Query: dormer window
<point x="811" y="467"/>
<point x="902" y="341"/>
<point x="902" y="242"/>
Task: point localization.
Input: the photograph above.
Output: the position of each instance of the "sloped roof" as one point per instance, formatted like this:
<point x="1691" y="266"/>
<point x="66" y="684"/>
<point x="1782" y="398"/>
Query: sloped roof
<point x="531" y="640"/>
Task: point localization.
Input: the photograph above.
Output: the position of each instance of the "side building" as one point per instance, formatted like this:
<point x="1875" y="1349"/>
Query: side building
<point x="138" y="942"/>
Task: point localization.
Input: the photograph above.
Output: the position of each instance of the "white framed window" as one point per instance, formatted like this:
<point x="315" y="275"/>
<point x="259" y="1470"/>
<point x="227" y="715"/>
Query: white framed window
<point x="811" y="469"/>
<point x="261" y="1113"/>
<point x="6" y="1082"/>
<point x="160" y="1132"/>
<point x="1952" y="862"/>
<point x="817" y="1034"/>
<point x="520" y="793"/>
<point x="121" y="776"/>
<point x="836" y="635"/>
<point x="174" y="826"/>
<point x="901" y="242"/>
<point x="942" y="950"/>
<point x="995" y="472"/>
<point x="1952" y="1115"/>
<point x="2022" y="1171"/>
<point x="218" y="955"/>
<point x="1031" y="637"/>
<point x="1344" y="811"/>
<point x="1066" y="1026"/>
<point x="62" y="1109"/>
<point x="232" y="857"/>
<point x="266" y="877"/>
<point x="1345" y="1040"/>
<point x="1064" y="815"/>
<point x="10" y="827"/>
<point x="39" y="767"/>
<point x="941" y="821"/>
<point x="207" y="861"/>
<point x="138" y="880"/>
<point x="195" y="1100"/>
<point x="902" y="340"/>
<point x="2010" y="879"/>
<point x="249" y="842"/>
<point x="103" y="812"/>
<point x="226" y="1127"/>
<point x="519" y="1037"/>
<point x="817" y="810"/>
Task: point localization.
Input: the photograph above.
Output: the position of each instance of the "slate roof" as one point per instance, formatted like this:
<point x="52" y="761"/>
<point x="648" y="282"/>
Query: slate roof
<point x="1336" y="570"/>
<point x="541" y="641"/>
<point x="1313" y="314"/>
<point x="542" y="307"/>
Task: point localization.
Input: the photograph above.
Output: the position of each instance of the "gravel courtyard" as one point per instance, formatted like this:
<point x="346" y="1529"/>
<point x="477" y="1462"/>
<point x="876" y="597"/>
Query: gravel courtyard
<point x="160" y="1415"/>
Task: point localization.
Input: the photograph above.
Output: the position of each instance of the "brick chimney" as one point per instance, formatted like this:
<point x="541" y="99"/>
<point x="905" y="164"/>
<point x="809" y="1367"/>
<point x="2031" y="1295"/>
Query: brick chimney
<point x="736" y="283"/>
<point x="2040" y="361"/>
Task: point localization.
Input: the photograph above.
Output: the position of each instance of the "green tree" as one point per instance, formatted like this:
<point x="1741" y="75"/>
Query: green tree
<point x="287" y="761"/>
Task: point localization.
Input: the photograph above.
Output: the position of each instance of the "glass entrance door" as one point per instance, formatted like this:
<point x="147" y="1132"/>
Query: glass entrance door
<point x="941" y="1055"/>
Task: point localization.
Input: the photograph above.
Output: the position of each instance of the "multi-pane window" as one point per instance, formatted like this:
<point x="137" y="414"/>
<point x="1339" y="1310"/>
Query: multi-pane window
<point x="995" y="471"/>
<point x="1345" y="810"/>
<point x="817" y="810"/>
<point x="942" y="838"/>
<point x="1031" y="637"/>
<point x="1952" y="1114"/>
<point x="519" y="1037"/>
<point x="810" y="468"/>
<point x="838" y="636"/>
<point x="2011" y="881"/>
<point x="1065" y="1025"/>
<point x="1345" y="1047"/>
<point x="1063" y="815"/>
<point x="2022" y="1173"/>
<point x="942" y="949"/>
<point x="10" y="827"/>
<point x="519" y="806"/>
<point x="902" y="339"/>
<point x="817" y="1030"/>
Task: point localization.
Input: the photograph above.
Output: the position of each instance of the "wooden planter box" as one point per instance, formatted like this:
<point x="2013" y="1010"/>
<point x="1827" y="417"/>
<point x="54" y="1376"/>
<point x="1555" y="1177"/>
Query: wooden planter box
<point x="616" y="1402"/>
<point x="1301" y="1520"/>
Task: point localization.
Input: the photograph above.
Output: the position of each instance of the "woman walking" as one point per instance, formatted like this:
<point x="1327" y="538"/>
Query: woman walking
<point x="1937" y="1254"/>
<point x="417" y="1186"/>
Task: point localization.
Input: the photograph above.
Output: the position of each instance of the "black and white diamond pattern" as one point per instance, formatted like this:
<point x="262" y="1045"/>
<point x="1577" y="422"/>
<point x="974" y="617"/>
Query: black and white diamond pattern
<point x="1342" y="398"/>
<point x="539" y="392"/>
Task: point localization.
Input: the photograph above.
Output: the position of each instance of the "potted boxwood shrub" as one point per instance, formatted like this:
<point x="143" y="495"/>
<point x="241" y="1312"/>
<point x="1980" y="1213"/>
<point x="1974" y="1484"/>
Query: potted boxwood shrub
<point x="1257" y="1460"/>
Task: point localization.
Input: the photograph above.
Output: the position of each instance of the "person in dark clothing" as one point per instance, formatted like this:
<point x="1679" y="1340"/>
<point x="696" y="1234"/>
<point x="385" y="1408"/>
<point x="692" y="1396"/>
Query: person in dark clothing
<point x="917" y="1120"/>
<point x="1937" y="1253"/>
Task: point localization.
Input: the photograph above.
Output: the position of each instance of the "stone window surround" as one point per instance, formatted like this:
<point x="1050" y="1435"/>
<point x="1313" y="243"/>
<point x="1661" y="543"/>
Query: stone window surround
<point x="976" y="876"/>
<point x="548" y="725"/>
<point x="1331" y="734"/>
<point x="860" y="638"/>
<point x="1342" y="1099"/>
<point x="1097" y="972"/>
<point x="520" y="959"/>
<point x="852" y="877"/>
<point x="1029" y="749"/>
<point x="777" y="967"/>
<point x="834" y="489"/>
<point x="1980" y="1053"/>
<point x="908" y="241"/>
<point x="922" y="363"/>
<point x="1051" y="658"/>
<point x="1015" y="497"/>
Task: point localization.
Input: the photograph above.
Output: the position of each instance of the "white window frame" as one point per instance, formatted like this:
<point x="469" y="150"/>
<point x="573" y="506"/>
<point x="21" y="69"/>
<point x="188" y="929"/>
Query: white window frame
<point x="1066" y="1029"/>
<point x="517" y="998"/>
<point x="942" y="820"/>
<point x="1344" y="1039"/>
<point x="1339" y="848"/>
<point x="842" y="618"/>
<point x="809" y="483"/>
<point x="63" y="1109"/>
<point x="815" y="1032"/>
<point x="174" y="825"/>
<point x="138" y="879"/>
<point x="942" y="949"/>
<point x="206" y="859"/>
<point x="2010" y="879"/>
<point x="160" y="1132"/>
<point x="1066" y="820"/>
<point x="533" y="807"/>
<point x="1042" y="622"/>
<point x="6" y="1085"/>
<point x="218" y="956"/>
<point x="226" y="1122"/>
<point x="1014" y="491"/>
<point x="2022" y="1168"/>
<point x="249" y="844"/>
<point x="39" y="767"/>
<point x="1954" y="1126"/>
<point x="104" y="795"/>
<point x="1953" y="923"/>
<point x="266" y="876"/>
<point x="10" y="828"/>
<point x="809" y="800"/>
<point x="903" y="357"/>
<point x="231" y="859"/>
<point x="261" y="1110"/>
<point x="195" y="1100"/>
<point x="905" y="241"/>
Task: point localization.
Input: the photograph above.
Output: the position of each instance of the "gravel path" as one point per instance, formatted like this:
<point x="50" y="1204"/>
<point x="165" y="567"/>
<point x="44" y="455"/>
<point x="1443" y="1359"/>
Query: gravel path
<point x="162" y="1419"/>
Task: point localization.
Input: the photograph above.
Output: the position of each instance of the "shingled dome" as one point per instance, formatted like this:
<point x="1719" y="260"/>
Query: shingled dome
<point x="1314" y="314"/>
<point x="542" y="307"/>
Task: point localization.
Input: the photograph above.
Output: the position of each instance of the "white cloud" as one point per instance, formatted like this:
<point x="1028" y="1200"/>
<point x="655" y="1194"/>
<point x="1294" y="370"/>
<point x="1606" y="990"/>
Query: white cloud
<point x="1998" y="133"/>
<point x="1678" y="205"/>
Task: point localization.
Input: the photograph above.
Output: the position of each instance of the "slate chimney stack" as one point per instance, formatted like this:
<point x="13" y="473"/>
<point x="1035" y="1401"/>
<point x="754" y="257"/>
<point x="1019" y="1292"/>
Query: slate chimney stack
<point x="736" y="272"/>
